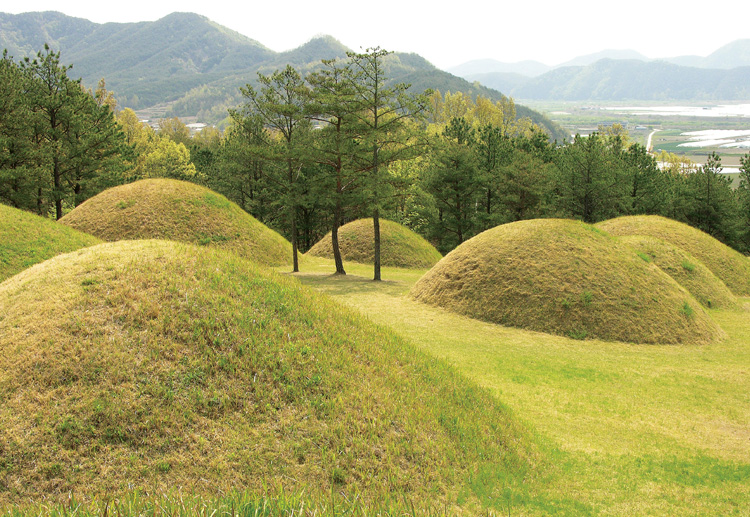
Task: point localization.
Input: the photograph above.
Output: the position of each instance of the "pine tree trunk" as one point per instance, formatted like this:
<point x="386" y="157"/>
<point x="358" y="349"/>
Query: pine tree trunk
<point x="376" y="230"/>
<point x="335" y="239"/>
<point x="295" y="260"/>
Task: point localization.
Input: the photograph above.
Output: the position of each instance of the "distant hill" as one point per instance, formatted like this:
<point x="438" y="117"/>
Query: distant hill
<point x="619" y="75"/>
<point x="193" y="65"/>
<point x="732" y="55"/>
<point x="589" y="59"/>
<point x="610" y="79"/>
<point x="492" y="66"/>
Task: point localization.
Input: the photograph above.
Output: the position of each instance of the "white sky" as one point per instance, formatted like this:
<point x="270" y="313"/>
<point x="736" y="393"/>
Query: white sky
<point x="449" y="34"/>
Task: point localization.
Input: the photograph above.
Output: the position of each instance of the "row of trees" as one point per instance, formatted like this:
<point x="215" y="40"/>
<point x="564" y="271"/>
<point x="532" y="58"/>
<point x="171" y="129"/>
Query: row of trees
<point x="60" y="143"/>
<point x="307" y="154"/>
<point x="324" y="143"/>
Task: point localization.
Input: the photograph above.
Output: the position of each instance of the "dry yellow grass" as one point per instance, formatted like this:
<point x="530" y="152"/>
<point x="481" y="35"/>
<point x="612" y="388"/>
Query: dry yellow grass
<point x="565" y="277"/>
<point x="687" y="271"/>
<point x="179" y="211"/>
<point x="399" y="246"/>
<point x="158" y="366"/>
<point x="730" y="266"/>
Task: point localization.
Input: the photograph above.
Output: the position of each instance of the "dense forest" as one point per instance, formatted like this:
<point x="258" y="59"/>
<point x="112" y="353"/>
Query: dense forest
<point x="305" y="153"/>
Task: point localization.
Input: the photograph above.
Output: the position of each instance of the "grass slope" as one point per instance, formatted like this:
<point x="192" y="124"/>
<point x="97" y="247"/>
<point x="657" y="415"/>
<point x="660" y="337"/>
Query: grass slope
<point x="27" y="239"/>
<point x="729" y="265"/>
<point x="180" y="211"/>
<point x="639" y="429"/>
<point x="687" y="271"/>
<point x="565" y="277"/>
<point x="163" y="365"/>
<point x="399" y="246"/>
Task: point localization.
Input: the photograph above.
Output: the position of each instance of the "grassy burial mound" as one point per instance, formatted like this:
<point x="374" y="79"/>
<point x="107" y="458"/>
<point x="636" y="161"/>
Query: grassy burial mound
<point x="179" y="211"/>
<point x="730" y="266"/>
<point x="162" y="364"/>
<point x="687" y="271"/>
<point x="565" y="277"/>
<point x="27" y="239"/>
<point x="399" y="246"/>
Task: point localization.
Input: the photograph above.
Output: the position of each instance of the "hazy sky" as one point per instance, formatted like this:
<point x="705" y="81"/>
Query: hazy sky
<point x="550" y="31"/>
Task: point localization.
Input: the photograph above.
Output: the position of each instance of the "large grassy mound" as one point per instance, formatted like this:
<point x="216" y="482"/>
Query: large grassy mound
<point x="179" y="211"/>
<point x="729" y="265"/>
<point x="565" y="277"/>
<point x="687" y="271"/>
<point x="159" y="365"/>
<point x="399" y="246"/>
<point x="27" y="239"/>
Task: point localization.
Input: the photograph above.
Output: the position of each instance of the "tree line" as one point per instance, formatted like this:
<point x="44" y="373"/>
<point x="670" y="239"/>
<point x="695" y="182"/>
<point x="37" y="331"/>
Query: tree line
<point x="305" y="155"/>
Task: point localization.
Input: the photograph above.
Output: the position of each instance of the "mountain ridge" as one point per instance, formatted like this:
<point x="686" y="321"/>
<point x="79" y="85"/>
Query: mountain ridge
<point x="623" y="75"/>
<point x="195" y="66"/>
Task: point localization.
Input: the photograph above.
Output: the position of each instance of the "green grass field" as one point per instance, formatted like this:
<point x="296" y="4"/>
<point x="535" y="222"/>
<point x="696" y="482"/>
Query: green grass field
<point x="630" y="429"/>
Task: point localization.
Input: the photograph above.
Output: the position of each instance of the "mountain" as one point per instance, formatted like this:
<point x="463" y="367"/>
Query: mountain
<point x="732" y="55"/>
<point x="610" y="79"/>
<point x="590" y="59"/>
<point x="196" y="66"/>
<point x="500" y="81"/>
<point x="492" y="66"/>
<point x="621" y="75"/>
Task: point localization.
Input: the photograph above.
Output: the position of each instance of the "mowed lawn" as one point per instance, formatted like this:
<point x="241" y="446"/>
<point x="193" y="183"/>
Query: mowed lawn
<point x="629" y="429"/>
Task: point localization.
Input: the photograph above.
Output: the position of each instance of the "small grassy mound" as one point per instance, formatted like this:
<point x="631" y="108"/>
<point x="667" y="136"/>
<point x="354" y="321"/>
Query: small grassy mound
<point x="27" y="239"/>
<point x="179" y="211"/>
<point x="568" y="278"/>
<point x="730" y="266"/>
<point x="160" y="365"/>
<point x="399" y="246"/>
<point x="687" y="270"/>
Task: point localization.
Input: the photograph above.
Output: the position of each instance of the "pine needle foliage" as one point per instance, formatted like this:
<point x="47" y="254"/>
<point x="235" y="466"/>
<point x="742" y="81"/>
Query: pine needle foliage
<point x="180" y="211"/>
<point x="568" y="278"/>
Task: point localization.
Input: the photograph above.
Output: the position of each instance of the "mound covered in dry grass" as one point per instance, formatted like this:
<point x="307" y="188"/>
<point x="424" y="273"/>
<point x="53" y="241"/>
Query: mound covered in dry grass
<point x="565" y="277"/>
<point x="27" y="239"/>
<point x="179" y="211"/>
<point x="160" y="366"/>
<point x="687" y="271"/>
<point x="730" y="266"/>
<point x="399" y="246"/>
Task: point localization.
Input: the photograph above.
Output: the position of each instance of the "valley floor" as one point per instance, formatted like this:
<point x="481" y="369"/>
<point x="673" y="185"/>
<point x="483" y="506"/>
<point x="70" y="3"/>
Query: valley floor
<point x="629" y="429"/>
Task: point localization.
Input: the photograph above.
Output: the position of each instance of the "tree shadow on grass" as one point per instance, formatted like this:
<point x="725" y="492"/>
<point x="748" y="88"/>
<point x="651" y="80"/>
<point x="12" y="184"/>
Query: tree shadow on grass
<point x="338" y="285"/>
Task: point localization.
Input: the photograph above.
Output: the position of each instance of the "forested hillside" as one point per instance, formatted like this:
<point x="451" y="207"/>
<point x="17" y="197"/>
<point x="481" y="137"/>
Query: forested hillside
<point x="195" y="65"/>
